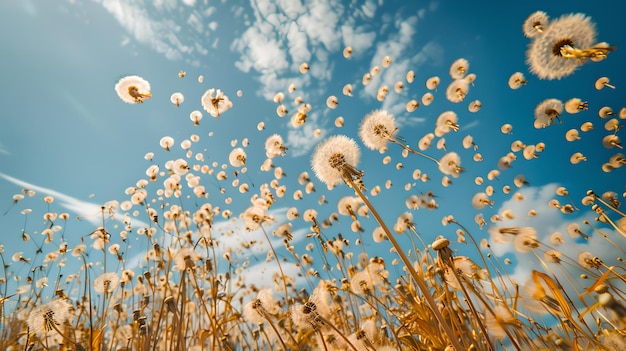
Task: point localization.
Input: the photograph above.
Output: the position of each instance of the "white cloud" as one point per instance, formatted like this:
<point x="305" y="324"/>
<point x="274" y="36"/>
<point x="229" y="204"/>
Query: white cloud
<point x="300" y="141"/>
<point x="189" y="2"/>
<point x="159" y="31"/>
<point x="261" y="51"/>
<point x="549" y="220"/>
<point x="4" y="150"/>
<point x="87" y="210"/>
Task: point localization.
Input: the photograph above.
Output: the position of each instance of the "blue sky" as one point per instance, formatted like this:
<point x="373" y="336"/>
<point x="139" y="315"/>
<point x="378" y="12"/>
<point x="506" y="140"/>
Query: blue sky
<point x="64" y="130"/>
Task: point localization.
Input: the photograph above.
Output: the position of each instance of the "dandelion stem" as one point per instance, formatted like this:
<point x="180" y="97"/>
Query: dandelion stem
<point x="409" y="266"/>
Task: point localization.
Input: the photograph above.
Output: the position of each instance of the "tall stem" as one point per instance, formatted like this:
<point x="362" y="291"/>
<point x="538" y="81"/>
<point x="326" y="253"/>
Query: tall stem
<point x="409" y="266"/>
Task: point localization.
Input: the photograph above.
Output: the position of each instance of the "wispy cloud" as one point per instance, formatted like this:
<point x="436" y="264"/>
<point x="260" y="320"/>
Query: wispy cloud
<point x="4" y="150"/>
<point x="158" y="30"/>
<point x="87" y="210"/>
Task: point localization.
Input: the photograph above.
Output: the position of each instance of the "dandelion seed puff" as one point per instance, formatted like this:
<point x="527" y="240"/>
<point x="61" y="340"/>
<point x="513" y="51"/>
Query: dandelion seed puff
<point x="432" y="83"/>
<point x="446" y="122"/>
<point x="374" y="71"/>
<point x="506" y="128"/>
<point x="304" y="68"/>
<point x="133" y="89"/>
<point x="427" y="99"/>
<point x="517" y="80"/>
<point x="279" y="97"/>
<point x="410" y="77"/>
<point x="382" y="93"/>
<point x="457" y="90"/>
<point x="332" y="102"/>
<point x="622" y="113"/>
<point x="334" y="159"/>
<point x="54" y="312"/>
<point x="603" y="82"/>
<point x="470" y="78"/>
<point x="166" y="142"/>
<point x="106" y="283"/>
<point x="474" y="106"/>
<point x="545" y="54"/>
<point x="215" y="102"/>
<point x="575" y="105"/>
<point x="459" y="68"/>
<point x="480" y="200"/>
<point x="547" y="111"/>
<point x="468" y="142"/>
<point x="281" y="110"/>
<point x="535" y="24"/>
<point x="291" y="88"/>
<point x="611" y="141"/>
<point x="367" y="77"/>
<point x="605" y="112"/>
<point x="477" y="157"/>
<point x="237" y="157"/>
<point x="397" y="87"/>
<point x="347" y="52"/>
<point x="450" y="164"/>
<point x="347" y="90"/>
<point x="200" y="79"/>
<point x="412" y="105"/>
<point x="493" y="174"/>
<point x="612" y="125"/>
<point x="386" y="61"/>
<point x="177" y="98"/>
<point x="572" y="135"/>
<point x="376" y="129"/>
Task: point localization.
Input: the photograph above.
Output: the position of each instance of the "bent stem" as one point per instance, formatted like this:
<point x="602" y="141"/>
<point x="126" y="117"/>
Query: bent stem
<point x="409" y="266"/>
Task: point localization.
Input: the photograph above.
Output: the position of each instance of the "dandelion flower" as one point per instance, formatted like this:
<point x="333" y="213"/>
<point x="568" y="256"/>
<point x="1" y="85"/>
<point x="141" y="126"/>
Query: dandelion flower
<point x="215" y="102"/>
<point x="335" y="159"/>
<point x="133" y="89"/>
<point x="377" y="128"/>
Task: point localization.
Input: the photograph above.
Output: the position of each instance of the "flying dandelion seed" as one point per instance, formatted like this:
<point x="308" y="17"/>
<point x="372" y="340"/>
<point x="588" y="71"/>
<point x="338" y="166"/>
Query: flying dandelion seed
<point x="133" y="89"/>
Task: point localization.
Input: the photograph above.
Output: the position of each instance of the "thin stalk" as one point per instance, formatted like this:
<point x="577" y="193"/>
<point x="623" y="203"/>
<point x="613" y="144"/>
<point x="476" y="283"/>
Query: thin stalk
<point x="409" y="266"/>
